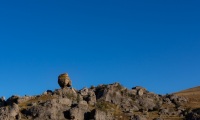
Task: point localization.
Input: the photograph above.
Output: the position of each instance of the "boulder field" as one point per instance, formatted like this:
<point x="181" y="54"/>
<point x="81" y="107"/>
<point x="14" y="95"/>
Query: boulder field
<point x="102" y="102"/>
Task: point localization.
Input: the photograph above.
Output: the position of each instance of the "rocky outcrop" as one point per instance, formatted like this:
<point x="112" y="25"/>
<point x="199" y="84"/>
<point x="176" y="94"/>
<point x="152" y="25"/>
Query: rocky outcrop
<point x="193" y="115"/>
<point x="2" y="101"/>
<point x="10" y="113"/>
<point x="104" y="102"/>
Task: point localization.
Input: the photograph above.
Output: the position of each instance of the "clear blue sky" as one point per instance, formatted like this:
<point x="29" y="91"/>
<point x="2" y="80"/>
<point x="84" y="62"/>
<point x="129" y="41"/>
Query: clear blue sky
<point x="150" y="43"/>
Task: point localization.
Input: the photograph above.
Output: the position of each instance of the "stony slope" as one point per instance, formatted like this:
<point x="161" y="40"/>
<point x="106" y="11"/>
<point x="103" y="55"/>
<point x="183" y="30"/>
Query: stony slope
<point x="193" y="94"/>
<point x="103" y="102"/>
<point x="193" y="104"/>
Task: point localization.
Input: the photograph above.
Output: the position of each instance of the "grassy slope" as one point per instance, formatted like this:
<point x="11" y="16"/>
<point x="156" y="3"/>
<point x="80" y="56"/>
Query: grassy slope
<point x="193" y="94"/>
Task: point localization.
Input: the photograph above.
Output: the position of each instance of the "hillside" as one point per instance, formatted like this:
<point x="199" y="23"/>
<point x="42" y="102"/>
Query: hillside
<point x="193" y="95"/>
<point x="102" y="102"/>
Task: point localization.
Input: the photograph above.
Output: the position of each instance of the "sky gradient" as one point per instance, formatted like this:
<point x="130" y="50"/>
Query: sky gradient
<point x="154" y="44"/>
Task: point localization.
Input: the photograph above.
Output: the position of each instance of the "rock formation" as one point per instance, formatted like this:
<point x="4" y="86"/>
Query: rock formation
<point x="103" y="102"/>
<point x="64" y="80"/>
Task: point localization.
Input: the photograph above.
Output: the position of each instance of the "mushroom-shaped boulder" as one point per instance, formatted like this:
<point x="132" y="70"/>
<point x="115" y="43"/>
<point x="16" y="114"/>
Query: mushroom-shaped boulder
<point x="64" y="80"/>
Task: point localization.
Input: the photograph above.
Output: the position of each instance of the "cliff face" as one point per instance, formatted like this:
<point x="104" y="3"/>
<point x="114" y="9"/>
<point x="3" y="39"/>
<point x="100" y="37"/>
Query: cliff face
<point x="104" y="102"/>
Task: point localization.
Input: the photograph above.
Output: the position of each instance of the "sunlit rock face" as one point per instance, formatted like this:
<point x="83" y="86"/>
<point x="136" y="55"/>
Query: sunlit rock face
<point x="64" y="80"/>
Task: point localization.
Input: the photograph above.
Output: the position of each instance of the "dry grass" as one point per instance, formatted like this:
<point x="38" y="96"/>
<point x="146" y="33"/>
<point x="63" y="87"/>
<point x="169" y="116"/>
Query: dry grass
<point x="36" y="100"/>
<point x="111" y="108"/>
<point x="193" y="95"/>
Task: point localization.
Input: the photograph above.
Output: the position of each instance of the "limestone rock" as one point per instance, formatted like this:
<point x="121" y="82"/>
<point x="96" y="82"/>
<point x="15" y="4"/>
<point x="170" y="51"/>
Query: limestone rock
<point x="140" y="92"/>
<point x="104" y="102"/>
<point x="50" y="110"/>
<point x="78" y="113"/>
<point x="66" y="92"/>
<point x="84" y="91"/>
<point x="64" y="80"/>
<point x="10" y="113"/>
<point x="91" y="99"/>
<point x="14" y="111"/>
<point x="146" y="103"/>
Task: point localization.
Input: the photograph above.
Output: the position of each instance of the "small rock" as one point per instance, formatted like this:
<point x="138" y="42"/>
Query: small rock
<point x="140" y="92"/>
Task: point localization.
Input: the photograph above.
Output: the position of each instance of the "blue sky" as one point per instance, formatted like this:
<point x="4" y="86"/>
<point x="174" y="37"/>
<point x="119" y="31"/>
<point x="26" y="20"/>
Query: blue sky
<point x="154" y="44"/>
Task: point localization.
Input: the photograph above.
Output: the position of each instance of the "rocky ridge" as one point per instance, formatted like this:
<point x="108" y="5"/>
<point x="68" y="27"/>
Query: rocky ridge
<point x="103" y="102"/>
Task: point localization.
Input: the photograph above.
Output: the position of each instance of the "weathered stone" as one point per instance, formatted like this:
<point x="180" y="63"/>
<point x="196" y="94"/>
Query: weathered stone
<point x="146" y="104"/>
<point x="77" y="113"/>
<point x="132" y="92"/>
<point x="104" y="102"/>
<point x="84" y="91"/>
<point x="101" y="115"/>
<point x="10" y="113"/>
<point x="83" y="105"/>
<point x="66" y="92"/>
<point x="140" y="92"/>
<point x="64" y="80"/>
<point x="50" y="110"/>
<point x="65" y="101"/>
<point x="91" y="98"/>
<point x="14" y="111"/>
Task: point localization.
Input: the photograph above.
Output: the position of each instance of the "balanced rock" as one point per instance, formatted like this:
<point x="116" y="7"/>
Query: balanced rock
<point x="64" y="80"/>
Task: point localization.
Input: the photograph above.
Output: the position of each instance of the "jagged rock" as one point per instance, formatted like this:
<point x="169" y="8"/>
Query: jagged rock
<point x="193" y="115"/>
<point x="17" y="99"/>
<point x="88" y="95"/>
<point x="177" y="100"/>
<point x="110" y="93"/>
<point x="10" y="113"/>
<point x="2" y="101"/>
<point x="84" y="91"/>
<point x="50" y="110"/>
<point x="140" y="90"/>
<point x="91" y="98"/>
<point x="14" y="111"/>
<point x="146" y="104"/>
<point x="78" y="113"/>
<point x="64" y="80"/>
<point x="104" y="102"/>
<point x="132" y="92"/>
<point x="12" y="99"/>
<point x="4" y="113"/>
<point x="101" y="115"/>
<point x="65" y="101"/>
<point x="83" y="105"/>
<point x="66" y="92"/>
<point x="24" y="99"/>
